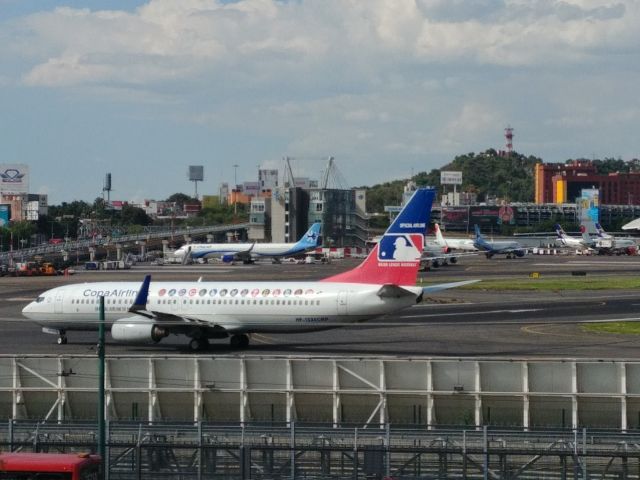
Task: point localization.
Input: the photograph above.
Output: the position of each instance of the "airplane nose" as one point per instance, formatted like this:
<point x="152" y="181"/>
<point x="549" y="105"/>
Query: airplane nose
<point x="28" y="309"/>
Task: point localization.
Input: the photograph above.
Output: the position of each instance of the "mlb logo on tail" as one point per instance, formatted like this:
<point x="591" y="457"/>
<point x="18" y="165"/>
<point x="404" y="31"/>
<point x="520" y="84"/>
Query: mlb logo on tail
<point x="401" y="248"/>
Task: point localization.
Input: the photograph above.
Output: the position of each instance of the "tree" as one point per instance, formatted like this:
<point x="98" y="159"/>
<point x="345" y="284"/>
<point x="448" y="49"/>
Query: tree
<point x="180" y="199"/>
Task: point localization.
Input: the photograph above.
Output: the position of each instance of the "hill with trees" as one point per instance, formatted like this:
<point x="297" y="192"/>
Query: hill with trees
<point x="487" y="174"/>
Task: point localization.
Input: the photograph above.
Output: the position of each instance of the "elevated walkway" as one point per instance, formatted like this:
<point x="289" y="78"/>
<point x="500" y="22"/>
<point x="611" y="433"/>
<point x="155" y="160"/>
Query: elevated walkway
<point x="85" y="244"/>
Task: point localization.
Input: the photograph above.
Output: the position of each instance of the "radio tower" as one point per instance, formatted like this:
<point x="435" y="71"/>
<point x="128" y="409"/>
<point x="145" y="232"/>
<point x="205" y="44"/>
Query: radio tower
<point x="508" y="135"/>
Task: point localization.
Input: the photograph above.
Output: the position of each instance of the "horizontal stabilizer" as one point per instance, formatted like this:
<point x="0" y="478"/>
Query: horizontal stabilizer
<point x="394" y="291"/>
<point x="446" y="286"/>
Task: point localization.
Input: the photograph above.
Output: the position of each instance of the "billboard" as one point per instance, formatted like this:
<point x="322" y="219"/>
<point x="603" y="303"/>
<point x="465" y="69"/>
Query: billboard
<point x="492" y="215"/>
<point x="5" y="214"/>
<point x="196" y="173"/>
<point x="589" y="208"/>
<point x="451" y="178"/>
<point x="14" y="178"/>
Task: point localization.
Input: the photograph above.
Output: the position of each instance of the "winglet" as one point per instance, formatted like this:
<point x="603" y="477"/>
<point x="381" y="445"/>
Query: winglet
<point x="141" y="299"/>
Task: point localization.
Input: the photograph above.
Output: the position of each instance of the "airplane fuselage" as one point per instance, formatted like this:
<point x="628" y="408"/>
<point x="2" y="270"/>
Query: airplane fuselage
<point x="245" y="307"/>
<point x="215" y="250"/>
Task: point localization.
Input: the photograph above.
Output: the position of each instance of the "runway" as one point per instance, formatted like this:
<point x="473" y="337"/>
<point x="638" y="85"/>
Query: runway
<point x="455" y="323"/>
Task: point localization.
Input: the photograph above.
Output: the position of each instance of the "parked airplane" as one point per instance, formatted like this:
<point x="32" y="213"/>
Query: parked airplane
<point x="454" y="243"/>
<point x="247" y="252"/>
<point x="385" y="282"/>
<point x="509" y="247"/>
<point x="573" y="242"/>
<point x="605" y="243"/>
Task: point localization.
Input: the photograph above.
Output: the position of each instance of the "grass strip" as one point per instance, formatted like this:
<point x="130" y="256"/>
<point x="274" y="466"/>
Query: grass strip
<point x="625" y="328"/>
<point x="557" y="283"/>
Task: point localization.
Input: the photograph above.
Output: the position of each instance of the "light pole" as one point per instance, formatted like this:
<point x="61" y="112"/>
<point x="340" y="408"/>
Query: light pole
<point x="235" y="188"/>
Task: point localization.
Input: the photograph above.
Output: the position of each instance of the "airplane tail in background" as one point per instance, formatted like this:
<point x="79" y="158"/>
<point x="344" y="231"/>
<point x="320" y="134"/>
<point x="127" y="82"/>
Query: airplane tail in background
<point x="396" y="257"/>
<point x="311" y="238"/>
<point x="439" y="237"/>
<point x="601" y="232"/>
<point x="559" y="231"/>
<point x="585" y="235"/>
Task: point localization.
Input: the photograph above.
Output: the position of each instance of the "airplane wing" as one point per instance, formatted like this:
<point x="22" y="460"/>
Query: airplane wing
<point x="395" y="291"/>
<point x="173" y="323"/>
<point x="244" y="254"/>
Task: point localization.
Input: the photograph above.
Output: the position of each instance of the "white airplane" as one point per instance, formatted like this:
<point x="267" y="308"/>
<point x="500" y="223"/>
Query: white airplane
<point x="510" y="248"/>
<point x="605" y="243"/>
<point x="573" y="242"/>
<point x="247" y="252"/>
<point x="384" y="283"/>
<point x="454" y="243"/>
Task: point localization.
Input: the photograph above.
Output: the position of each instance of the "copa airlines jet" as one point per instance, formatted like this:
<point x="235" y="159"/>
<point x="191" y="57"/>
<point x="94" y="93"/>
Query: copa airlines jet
<point x="247" y="252"/>
<point x="384" y="283"/>
<point x="491" y="248"/>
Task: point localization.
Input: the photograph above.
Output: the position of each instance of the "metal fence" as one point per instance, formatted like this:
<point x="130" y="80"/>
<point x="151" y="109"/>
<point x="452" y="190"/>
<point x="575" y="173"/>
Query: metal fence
<point x="201" y="450"/>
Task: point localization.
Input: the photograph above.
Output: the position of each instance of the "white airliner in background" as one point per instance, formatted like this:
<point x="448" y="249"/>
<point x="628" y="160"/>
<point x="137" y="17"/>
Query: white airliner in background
<point x="568" y="241"/>
<point x="247" y="252"/>
<point x="454" y="243"/>
<point x="605" y="243"/>
<point x="384" y="283"/>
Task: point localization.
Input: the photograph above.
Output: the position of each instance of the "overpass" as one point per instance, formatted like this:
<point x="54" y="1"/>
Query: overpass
<point x="147" y="237"/>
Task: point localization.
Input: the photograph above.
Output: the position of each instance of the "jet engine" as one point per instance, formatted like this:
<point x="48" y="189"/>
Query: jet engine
<point x="137" y="329"/>
<point x="227" y="258"/>
<point x="520" y="253"/>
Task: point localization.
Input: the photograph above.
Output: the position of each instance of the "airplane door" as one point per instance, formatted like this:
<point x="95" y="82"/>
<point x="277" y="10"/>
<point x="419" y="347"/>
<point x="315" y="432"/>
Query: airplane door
<point x="343" y="303"/>
<point x="57" y="303"/>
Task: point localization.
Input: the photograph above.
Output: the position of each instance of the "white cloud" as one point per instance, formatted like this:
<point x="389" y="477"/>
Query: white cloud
<point x="166" y="40"/>
<point x="366" y="80"/>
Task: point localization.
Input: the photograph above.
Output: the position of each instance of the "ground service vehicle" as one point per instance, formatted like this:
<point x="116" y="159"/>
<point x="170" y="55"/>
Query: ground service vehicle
<point x="49" y="466"/>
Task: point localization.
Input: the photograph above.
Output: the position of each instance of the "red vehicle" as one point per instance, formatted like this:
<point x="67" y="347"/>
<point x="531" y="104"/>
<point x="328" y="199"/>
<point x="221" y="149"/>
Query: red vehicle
<point x="49" y="466"/>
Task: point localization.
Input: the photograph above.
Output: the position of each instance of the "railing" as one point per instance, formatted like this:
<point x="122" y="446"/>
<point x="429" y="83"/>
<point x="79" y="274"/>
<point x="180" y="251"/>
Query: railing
<point x="242" y="451"/>
<point x="84" y="244"/>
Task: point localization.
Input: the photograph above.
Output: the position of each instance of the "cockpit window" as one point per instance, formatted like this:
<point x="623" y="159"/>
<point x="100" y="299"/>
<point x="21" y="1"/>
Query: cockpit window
<point x="39" y="299"/>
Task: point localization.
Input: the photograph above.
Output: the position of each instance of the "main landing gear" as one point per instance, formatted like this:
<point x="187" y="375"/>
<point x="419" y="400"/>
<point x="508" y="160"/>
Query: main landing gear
<point x="62" y="339"/>
<point x="198" y="344"/>
<point x="239" y="341"/>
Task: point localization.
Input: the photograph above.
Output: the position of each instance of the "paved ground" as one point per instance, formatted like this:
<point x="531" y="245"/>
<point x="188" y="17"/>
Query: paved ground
<point x="455" y="323"/>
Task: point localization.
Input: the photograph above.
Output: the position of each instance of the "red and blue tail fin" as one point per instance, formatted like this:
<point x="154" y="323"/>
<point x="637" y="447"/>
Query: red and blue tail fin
<point x="396" y="258"/>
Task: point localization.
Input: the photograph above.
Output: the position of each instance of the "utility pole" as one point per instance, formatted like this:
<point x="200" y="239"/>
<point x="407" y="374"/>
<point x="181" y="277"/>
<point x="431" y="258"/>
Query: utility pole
<point x="102" y="450"/>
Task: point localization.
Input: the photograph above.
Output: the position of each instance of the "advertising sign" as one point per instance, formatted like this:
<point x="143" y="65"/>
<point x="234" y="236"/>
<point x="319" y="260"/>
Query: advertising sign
<point x="451" y="178"/>
<point x="196" y="173"/>
<point x="589" y="208"/>
<point x="5" y="215"/>
<point x="492" y="215"/>
<point x="14" y="178"/>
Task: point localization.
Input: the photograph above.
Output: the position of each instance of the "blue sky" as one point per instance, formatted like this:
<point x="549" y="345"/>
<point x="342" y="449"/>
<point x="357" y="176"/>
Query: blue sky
<point x="143" y="89"/>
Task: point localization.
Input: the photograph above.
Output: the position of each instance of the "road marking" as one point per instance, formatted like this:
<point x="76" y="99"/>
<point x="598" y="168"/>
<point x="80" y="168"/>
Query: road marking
<point x="522" y="310"/>
<point x="262" y="338"/>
